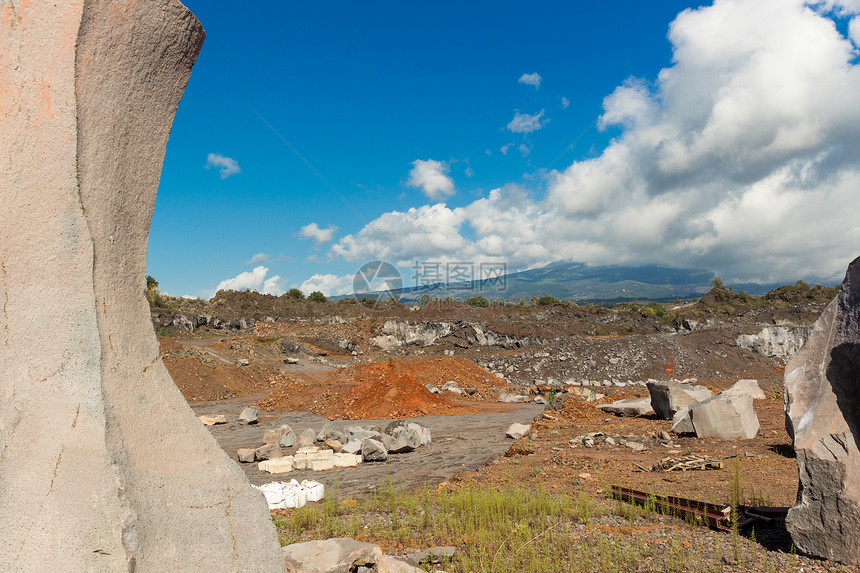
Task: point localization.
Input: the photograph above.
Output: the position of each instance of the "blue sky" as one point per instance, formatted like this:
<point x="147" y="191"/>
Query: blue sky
<point x="314" y="137"/>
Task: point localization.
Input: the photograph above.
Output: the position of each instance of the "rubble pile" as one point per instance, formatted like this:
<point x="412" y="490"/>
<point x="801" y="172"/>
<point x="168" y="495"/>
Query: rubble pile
<point x="334" y="447"/>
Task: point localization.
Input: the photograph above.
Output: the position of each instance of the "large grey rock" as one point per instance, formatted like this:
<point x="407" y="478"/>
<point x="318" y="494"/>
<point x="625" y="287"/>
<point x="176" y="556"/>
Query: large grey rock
<point x="249" y="415"/>
<point x="681" y="422"/>
<point x="745" y="388"/>
<point x="103" y="466"/>
<point x="631" y="407"/>
<point x="397" y="565"/>
<point x="822" y="393"/>
<point x="669" y="397"/>
<point x="340" y="555"/>
<point x="725" y="418"/>
<point x="373" y="451"/>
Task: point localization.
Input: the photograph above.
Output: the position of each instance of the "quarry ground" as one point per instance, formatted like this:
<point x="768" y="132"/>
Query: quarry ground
<point x="344" y="374"/>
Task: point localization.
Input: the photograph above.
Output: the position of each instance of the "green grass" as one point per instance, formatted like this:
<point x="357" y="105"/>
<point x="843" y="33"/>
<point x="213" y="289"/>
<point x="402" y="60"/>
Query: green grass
<point x="501" y="529"/>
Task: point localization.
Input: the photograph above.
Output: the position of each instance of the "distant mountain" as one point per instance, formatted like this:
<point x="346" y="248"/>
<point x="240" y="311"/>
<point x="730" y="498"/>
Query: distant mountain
<point x="580" y="283"/>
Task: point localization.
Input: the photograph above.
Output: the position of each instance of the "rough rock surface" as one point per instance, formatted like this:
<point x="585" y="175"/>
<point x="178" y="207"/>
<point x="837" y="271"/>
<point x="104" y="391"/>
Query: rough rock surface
<point x="775" y="341"/>
<point x="333" y="556"/>
<point x="517" y="431"/>
<point x="90" y="422"/>
<point x="631" y="407"/>
<point x="822" y="390"/>
<point x="745" y="388"/>
<point x="669" y="397"/>
<point x="725" y="418"/>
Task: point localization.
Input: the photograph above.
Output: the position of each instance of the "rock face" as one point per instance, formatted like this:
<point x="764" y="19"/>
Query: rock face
<point x="91" y="425"/>
<point x="822" y="384"/>
<point x="776" y="341"/>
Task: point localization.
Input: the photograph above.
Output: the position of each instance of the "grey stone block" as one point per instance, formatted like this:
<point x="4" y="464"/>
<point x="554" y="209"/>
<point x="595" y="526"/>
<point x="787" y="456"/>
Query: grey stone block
<point x="725" y="418"/>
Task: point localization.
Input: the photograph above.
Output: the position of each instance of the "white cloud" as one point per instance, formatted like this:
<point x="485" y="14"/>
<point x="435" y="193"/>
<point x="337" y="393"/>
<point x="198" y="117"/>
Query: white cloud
<point x="742" y="157"/>
<point x="225" y="165"/>
<point x="854" y="30"/>
<point x="469" y="172"/>
<point x="432" y="178"/>
<point x="274" y="285"/>
<point x="254" y="280"/>
<point x="527" y="123"/>
<point x="525" y="150"/>
<point x="328" y="284"/>
<point x="504" y="148"/>
<point x="258" y="259"/>
<point x="565" y="103"/>
<point x="313" y="232"/>
<point x="531" y="79"/>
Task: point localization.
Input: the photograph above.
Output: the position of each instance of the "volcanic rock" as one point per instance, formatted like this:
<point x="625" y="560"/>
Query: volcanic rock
<point x="822" y="404"/>
<point x="104" y="465"/>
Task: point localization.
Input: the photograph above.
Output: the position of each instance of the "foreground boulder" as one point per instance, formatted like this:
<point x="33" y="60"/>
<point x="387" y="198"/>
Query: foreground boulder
<point x="341" y="555"/>
<point x="724" y="418"/>
<point x="103" y="466"/>
<point x="822" y="405"/>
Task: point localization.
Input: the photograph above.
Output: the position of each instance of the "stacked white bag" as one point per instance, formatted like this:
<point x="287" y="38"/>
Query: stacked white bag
<point x="291" y="494"/>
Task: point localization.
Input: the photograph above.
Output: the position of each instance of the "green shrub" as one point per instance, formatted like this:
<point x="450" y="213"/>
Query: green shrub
<point x="317" y="296"/>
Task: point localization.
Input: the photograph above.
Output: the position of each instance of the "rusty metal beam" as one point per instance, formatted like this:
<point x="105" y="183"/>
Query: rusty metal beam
<point x="716" y="516"/>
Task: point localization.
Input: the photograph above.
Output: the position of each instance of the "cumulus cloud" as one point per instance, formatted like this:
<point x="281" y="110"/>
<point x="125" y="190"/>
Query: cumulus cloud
<point x="742" y="156"/>
<point x="225" y="165"/>
<point x="258" y="259"/>
<point x="432" y="178"/>
<point x="328" y="284"/>
<point x="531" y="79"/>
<point x="313" y="232"/>
<point x="254" y="280"/>
<point x="527" y="123"/>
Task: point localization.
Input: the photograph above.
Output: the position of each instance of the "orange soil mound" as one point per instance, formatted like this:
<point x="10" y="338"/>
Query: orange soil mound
<point x="386" y="390"/>
<point x="391" y="390"/>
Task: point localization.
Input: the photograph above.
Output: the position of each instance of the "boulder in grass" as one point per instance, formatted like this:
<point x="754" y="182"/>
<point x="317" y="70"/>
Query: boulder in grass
<point x="334" y="556"/>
